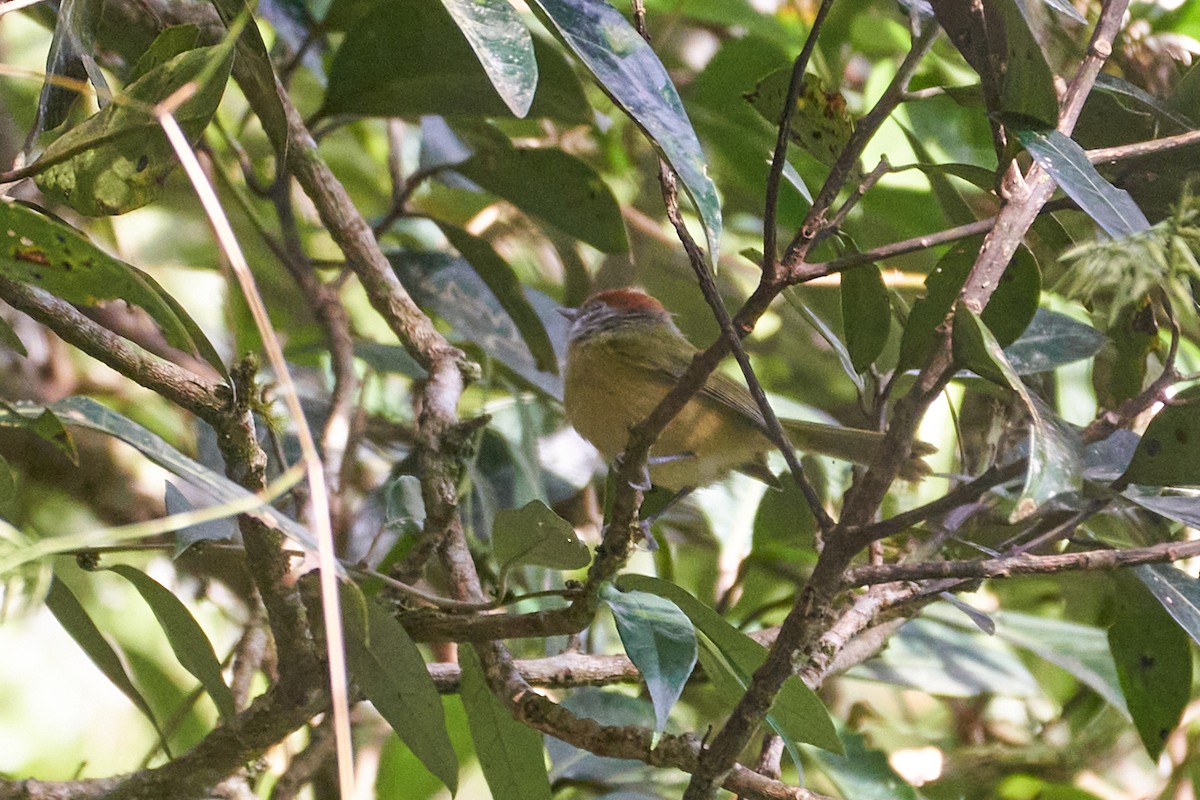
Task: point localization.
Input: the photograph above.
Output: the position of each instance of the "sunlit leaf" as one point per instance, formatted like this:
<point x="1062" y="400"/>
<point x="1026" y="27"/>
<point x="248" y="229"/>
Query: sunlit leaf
<point x="821" y="125"/>
<point x="510" y="754"/>
<point x="503" y="46"/>
<point x="187" y="639"/>
<point x="659" y="640"/>
<point x="629" y="72"/>
<point x="1112" y="208"/>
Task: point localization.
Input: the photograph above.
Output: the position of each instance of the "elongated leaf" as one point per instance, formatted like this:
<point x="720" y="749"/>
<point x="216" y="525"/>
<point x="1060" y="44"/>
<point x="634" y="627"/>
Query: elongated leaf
<point x="1178" y="592"/>
<point x="1052" y="340"/>
<point x="255" y="74"/>
<point x="630" y="73"/>
<point x="1181" y="508"/>
<point x="1167" y="454"/>
<point x="533" y="534"/>
<point x="866" y="314"/>
<point x="87" y="413"/>
<point x="388" y="667"/>
<point x="67" y="609"/>
<point x="501" y="279"/>
<point x="510" y="753"/>
<point x="411" y="58"/>
<point x="118" y="159"/>
<point x="1112" y="208"/>
<point x="797" y="714"/>
<point x="1153" y="662"/>
<point x="503" y="46"/>
<point x="660" y="641"/>
<point x="220" y="530"/>
<point x="187" y="639"/>
<point x="42" y="251"/>
<point x="1055" y="453"/>
<point x="45" y="425"/>
<point x="554" y="186"/>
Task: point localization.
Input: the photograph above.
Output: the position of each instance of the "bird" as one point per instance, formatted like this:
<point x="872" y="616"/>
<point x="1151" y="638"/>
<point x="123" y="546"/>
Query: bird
<point x="624" y="353"/>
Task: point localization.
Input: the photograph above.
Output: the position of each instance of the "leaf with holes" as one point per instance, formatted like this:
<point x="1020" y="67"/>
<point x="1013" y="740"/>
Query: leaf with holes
<point x="1168" y="454"/>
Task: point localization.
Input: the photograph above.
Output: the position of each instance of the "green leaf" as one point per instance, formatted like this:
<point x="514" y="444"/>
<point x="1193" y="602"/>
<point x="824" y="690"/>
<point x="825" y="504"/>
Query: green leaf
<point x="1153" y="663"/>
<point x="1178" y="592"/>
<point x="1007" y="313"/>
<point x="503" y="46"/>
<point x="1112" y="208"/>
<point x="67" y="609"/>
<point x="659" y="640"/>
<point x="406" y="59"/>
<point x="1181" y="508"/>
<point x="187" y="639"/>
<point x="533" y="534"/>
<point x="9" y="494"/>
<point x="798" y="714"/>
<point x="510" y="754"/>
<point x="87" y="413"/>
<point x="863" y="772"/>
<point x="1055" y="453"/>
<point x="866" y="314"/>
<point x="254" y="72"/>
<point x="387" y="666"/>
<point x="629" y="72"/>
<point x="501" y="279"/>
<point x="553" y="186"/>
<point x="217" y="530"/>
<point x="820" y="124"/>
<point x="1167" y="454"/>
<point x="118" y="159"/>
<point x="45" y="425"/>
<point x="1052" y="340"/>
<point x="1028" y="83"/>
<point x="42" y="251"/>
<point x="174" y="40"/>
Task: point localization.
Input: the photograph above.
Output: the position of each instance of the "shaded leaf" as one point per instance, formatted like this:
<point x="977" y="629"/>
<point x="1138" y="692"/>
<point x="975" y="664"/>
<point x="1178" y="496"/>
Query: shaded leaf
<point x="659" y="640"/>
<point x="1112" y="208"/>
<point x="629" y="72"/>
<point x="1178" y="592"/>
<point x="866" y="314"/>
<point x="510" y="754"/>
<point x="1052" y="340"/>
<point x="45" y="425"/>
<point x="67" y="609"/>
<point x="1153" y="662"/>
<point x="863" y="772"/>
<point x="406" y="59"/>
<point x="503" y="46"/>
<point x="217" y="530"/>
<point x="1168" y="454"/>
<point x="39" y="250"/>
<point x="1181" y="508"/>
<point x="1055" y="452"/>
<point x="254" y="72"/>
<point x="797" y="714"/>
<point x="821" y="125"/>
<point x="503" y="282"/>
<point x="187" y="639"/>
<point x="118" y="159"/>
<point x="533" y="534"/>
<point x="554" y="186"/>
<point x="387" y="666"/>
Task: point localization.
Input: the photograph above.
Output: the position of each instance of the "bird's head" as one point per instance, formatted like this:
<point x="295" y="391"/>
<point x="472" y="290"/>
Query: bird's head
<point x="616" y="311"/>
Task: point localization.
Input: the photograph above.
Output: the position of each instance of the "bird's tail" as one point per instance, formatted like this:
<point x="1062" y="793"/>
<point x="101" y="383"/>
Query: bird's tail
<point x="854" y="444"/>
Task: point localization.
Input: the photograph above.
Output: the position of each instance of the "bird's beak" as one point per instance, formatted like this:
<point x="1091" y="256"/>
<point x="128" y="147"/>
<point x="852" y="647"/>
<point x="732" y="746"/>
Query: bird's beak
<point x="569" y="313"/>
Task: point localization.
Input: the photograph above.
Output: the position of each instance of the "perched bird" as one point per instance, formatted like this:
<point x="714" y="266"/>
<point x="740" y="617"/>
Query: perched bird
<point x="624" y="353"/>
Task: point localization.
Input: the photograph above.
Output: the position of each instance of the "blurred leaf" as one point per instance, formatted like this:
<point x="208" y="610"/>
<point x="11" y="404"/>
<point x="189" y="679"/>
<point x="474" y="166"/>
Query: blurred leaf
<point x="797" y="714"/>
<point x="554" y="186"/>
<point x="1112" y="208"/>
<point x="387" y="666"/>
<point x="9" y="338"/>
<point x="571" y="764"/>
<point x="70" y="60"/>
<point x="503" y="46"/>
<point x="388" y="358"/>
<point x="503" y="282"/>
<point x="630" y="73"/>
<point x="1167" y="454"/>
<point x="1052" y="340"/>
<point x="659" y="640"/>
<point x="217" y="530"/>
<point x="821" y="125"/>
<point x="405" y="59"/>
<point x="448" y="287"/>
<point x="173" y="41"/>
<point x="45" y="425"/>
<point x="67" y="609"/>
<point x="510" y="753"/>
<point x="1131" y="94"/>
<point x="1055" y="452"/>
<point x="187" y="639"/>
<point x="88" y="413"/>
<point x="9" y="496"/>
<point x="534" y="534"/>
<point x="42" y="251"/>
<point x="118" y="159"/>
<point x="254" y="73"/>
<point x="1008" y="312"/>
<point x="866" y="314"/>
<point x="1153" y="661"/>
<point x="1178" y="592"/>
<point x="1181" y="508"/>
<point x="863" y="772"/>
